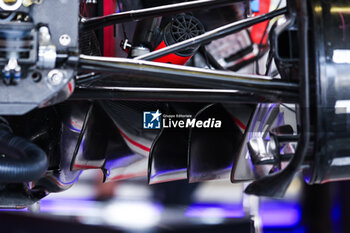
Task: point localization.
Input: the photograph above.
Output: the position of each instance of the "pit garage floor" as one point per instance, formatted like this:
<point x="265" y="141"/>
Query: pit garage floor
<point x="216" y="206"/>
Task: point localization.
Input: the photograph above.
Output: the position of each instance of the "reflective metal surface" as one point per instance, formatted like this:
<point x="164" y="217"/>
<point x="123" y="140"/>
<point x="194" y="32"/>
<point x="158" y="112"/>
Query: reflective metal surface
<point x="264" y="118"/>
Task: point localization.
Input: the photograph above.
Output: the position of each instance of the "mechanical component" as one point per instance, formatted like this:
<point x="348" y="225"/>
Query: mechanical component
<point x="45" y="37"/>
<point x="65" y="40"/>
<point x="262" y="151"/>
<point x="129" y="147"/>
<point x="258" y="128"/>
<point x="28" y="3"/>
<point x="10" y="5"/>
<point x="125" y="45"/>
<point x="211" y="150"/>
<point x="169" y="155"/>
<point x="69" y="140"/>
<point x="212" y="35"/>
<point x="276" y="184"/>
<point x="18" y="40"/>
<point x="31" y="38"/>
<point x="138" y="51"/>
<point x="47" y="51"/>
<point x="47" y="57"/>
<point x="12" y="71"/>
<point x="284" y="47"/>
<point x="313" y="137"/>
<point x="181" y="28"/>
<point x="55" y="77"/>
<point x="188" y="76"/>
<point x="144" y="40"/>
<point x="22" y="161"/>
<point x="90" y="152"/>
<point x="330" y="64"/>
<point x="238" y="51"/>
<point x="103" y="21"/>
<point x="18" y="46"/>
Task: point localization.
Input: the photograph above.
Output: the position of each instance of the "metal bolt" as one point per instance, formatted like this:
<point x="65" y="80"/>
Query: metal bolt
<point x="55" y="77"/>
<point x="65" y="40"/>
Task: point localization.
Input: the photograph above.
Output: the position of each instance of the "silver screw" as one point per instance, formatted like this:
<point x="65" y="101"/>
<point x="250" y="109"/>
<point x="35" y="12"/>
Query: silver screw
<point x="65" y="40"/>
<point x="55" y="77"/>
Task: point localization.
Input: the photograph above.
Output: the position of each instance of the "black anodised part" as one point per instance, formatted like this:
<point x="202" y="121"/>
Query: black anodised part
<point x="212" y="35"/>
<point x="284" y="45"/>
<point x="90" y="151"/>
<point x="212" y="149"/>
<point x="135" y="15"/>
<point x="330" y="159"/>
<point x="181" y="28"/>
<point x="21" y="160"/>
<point x="200" y="78"/>
<point x="168" y="155"/>
<point x="146" y="32"/>
<point x="165" y="95"/>
<point x="276" y="184"/>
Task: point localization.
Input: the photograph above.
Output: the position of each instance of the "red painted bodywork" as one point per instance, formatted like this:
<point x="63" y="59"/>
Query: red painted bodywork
<point x="109" y="7"/>
<point x="258" y="29"/>
<point x="171" y="58"/>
